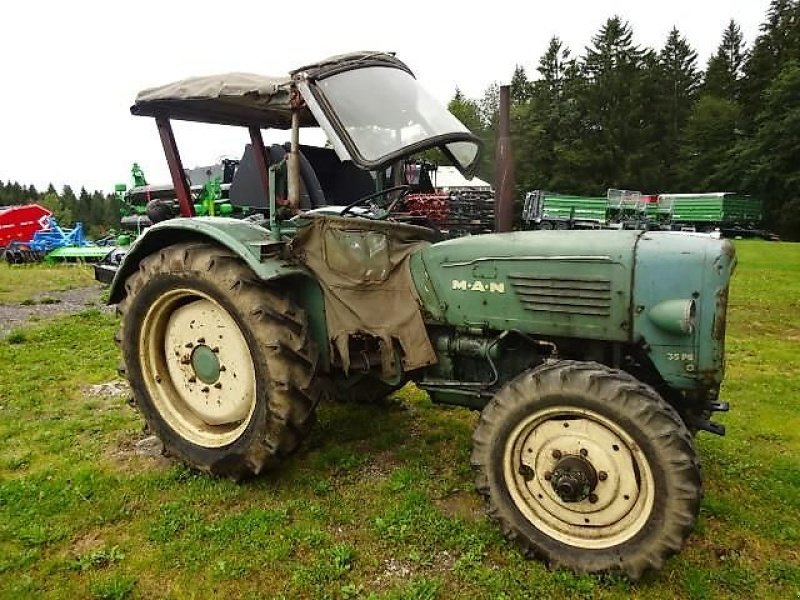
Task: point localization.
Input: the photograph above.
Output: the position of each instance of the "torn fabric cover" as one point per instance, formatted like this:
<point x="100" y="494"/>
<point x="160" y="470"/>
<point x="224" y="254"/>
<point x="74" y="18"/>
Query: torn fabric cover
<point x="363" y="268"/>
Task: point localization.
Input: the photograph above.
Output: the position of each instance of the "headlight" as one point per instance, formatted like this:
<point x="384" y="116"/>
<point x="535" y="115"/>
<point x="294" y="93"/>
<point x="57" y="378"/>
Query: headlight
<point x="675" y="316"/>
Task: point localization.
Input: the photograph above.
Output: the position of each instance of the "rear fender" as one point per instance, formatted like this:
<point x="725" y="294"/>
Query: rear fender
<point x="251" y="243"/>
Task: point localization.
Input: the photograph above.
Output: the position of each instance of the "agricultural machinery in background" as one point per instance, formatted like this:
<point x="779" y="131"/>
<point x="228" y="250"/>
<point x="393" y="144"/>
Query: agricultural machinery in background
<point x="594" y="357"/>
<point x="728" y="213"/>
<point x="19" y="223"/>
<point x="30" y="233"/>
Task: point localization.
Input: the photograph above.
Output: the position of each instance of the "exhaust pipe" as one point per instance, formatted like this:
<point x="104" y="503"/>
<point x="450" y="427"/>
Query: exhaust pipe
<point x="504" y="167"/>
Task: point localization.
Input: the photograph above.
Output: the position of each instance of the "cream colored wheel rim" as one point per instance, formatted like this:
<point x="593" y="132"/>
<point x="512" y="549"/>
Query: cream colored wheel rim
<point x="623" y="494"/>
<point x="197" y="368"/>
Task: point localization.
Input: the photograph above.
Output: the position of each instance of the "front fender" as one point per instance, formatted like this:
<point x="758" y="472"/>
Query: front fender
<point x="246" y="240"/>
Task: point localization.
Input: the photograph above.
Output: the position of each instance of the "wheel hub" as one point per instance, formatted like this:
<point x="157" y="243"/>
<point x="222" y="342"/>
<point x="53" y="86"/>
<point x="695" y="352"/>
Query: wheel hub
<point x="573" y="478"/>
<point x="199" y="368"/>
<point x="578" y="476"/>
<point x="205" y="364"/>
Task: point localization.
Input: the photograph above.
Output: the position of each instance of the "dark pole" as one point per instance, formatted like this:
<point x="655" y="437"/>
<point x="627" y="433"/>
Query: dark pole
<point x="262" y="162"/>
<point x="175" y="167"/>
<point x="504" y="168"/>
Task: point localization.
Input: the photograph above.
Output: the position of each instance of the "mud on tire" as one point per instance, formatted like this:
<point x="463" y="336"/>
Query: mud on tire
<point x="277" y="356"/>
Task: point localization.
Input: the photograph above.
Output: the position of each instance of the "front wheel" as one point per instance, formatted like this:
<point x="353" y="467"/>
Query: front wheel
<point x="588" y="468"/>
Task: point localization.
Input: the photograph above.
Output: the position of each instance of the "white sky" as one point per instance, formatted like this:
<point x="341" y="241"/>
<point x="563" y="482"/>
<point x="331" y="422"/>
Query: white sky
<point x="70" y="70"/>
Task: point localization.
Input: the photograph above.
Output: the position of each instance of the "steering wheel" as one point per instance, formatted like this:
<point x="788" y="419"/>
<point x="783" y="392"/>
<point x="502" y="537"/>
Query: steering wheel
<point x="402" y="188"/>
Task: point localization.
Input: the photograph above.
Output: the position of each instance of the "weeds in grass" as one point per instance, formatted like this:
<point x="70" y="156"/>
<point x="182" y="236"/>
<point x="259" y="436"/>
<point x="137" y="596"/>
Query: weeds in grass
<point x="99" y="558"/>
<point x="16" y="336"/>
<point x="113" y="587"/>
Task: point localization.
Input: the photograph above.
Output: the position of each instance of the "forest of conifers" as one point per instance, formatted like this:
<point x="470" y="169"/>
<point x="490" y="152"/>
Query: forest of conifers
<point x="623" y="116"/>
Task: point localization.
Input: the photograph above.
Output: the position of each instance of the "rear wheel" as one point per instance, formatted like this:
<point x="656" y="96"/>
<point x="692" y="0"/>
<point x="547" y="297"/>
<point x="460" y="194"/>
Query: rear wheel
<point x="588" y="468"/>
<point x="222" y="369"/>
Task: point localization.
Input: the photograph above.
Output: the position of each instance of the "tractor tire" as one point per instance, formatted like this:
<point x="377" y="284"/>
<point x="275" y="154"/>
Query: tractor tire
<point x="222" y="368"/>
<point x="587" y="468"/>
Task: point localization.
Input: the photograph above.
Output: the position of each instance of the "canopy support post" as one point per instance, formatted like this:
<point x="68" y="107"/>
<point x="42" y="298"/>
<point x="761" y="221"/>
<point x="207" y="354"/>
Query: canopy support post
<point x="262" y="162"/>
<point x="293" y="162"/>
<point x="182" y="190"/>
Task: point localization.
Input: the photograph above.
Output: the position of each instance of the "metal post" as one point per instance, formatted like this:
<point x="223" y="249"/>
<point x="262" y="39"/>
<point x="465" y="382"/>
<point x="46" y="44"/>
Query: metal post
<point x="262" y="162"/>
<point x="182" y="190"/>
<point x="294" y="163"/>
<point x="504" y="167"/>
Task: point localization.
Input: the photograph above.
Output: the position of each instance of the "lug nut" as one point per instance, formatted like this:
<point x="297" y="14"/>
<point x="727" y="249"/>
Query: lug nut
<point x="206" y="389"/>
<point x="593" y="498"/>
<point x="218" y="385"/>
<point x="201" y="340"/>
<point x="602" y="475"/>
<point x="189" y="345"/>
<point x="556" y="454"/>
<point x="215" y="349"/>
<point x="185" y="360"/>
<point x="222" y="368"/>
<point x="584" y="452"/>
<point x="192" y="378"/>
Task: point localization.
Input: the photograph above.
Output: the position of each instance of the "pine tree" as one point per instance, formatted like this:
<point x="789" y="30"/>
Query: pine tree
<point x="777" y="44"/>
<point x="725" y="68"/>
<point x="520" y="86"/>
<point x="543" y="130"/>
<point x="773" y="153"/>
<point x="708" y="145"/>
<point x="612" y="69"/>
<point x="674" y="86"/>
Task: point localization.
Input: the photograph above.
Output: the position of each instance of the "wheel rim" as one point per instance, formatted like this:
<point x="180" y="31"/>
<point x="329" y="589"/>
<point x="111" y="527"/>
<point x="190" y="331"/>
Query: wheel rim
<point x="606" y="479"/>
<point x="197" y="367"/>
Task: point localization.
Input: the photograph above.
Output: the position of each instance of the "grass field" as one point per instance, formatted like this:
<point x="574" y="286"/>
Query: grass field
<point x="379" y="503"/>
<point x="25" y="283"/>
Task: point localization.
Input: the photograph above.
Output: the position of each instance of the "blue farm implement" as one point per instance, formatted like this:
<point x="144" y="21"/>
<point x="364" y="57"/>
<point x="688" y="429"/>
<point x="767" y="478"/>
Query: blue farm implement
<point x="54" y="243"/>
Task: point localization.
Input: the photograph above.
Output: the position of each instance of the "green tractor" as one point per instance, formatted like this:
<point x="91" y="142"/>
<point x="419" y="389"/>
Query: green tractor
<point x="594" y="357"/>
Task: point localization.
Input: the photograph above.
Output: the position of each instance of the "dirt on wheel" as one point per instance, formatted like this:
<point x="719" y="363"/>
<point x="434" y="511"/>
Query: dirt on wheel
<point x="50" y="304"/>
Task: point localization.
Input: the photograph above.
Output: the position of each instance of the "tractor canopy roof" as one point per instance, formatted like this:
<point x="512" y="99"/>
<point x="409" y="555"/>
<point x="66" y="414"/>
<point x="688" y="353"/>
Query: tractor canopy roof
<point x="246" y="99"/>
<point x="368" y="103"/>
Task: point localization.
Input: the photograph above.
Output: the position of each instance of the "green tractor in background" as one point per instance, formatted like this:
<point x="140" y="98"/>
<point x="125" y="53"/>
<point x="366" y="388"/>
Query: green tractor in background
<point x="594" y="357"/>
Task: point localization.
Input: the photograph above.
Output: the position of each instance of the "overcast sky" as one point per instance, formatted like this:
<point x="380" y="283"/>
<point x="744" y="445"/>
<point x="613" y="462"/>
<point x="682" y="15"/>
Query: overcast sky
<point x="70" y="70"/>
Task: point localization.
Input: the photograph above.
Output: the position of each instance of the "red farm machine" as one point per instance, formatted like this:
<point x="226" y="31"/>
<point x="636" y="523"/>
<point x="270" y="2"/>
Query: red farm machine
<point x="19" y="223"/>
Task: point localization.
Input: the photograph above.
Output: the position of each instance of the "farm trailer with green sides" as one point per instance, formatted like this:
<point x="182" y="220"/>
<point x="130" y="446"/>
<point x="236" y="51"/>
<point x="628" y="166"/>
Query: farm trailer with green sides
<point x="727" y="211"/>
<point x="618" y="209"/>
<point x="594" y="357"/>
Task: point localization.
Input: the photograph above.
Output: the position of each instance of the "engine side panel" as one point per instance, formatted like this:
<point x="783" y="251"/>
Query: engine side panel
<point x="560" y="284"/>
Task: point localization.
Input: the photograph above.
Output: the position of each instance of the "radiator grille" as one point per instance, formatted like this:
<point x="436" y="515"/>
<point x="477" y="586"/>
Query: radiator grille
<point x="582" y="296"/>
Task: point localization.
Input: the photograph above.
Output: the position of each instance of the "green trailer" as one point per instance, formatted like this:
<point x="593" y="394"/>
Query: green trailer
<point x="547" y="210"/>
<point x="705" y="212"/>
<point x="618" y="209"/>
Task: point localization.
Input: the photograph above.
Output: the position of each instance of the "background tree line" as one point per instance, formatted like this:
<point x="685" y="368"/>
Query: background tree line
<point x="97" y="211"/>
<point x="621" y="116"/>
<point x="625" y="116"/>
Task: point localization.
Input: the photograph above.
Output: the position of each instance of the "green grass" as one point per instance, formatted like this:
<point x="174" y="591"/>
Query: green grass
<point x="25" y="284"/>
<point x="379" y="502"/>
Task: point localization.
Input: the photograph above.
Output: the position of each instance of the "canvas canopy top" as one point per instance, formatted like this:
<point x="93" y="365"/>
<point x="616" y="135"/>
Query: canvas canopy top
<point x="246" y="99"/>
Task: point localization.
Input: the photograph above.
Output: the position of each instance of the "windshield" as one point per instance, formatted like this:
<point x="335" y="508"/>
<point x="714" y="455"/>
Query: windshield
<point x="384" y="111"/>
